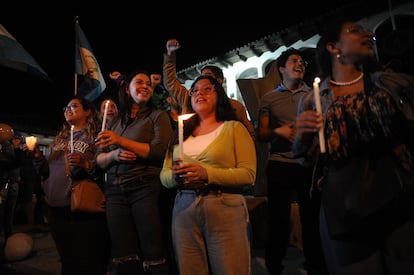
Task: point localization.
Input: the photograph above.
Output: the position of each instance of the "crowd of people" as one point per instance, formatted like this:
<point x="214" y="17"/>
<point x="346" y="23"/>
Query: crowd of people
<point x="175" y="189"/>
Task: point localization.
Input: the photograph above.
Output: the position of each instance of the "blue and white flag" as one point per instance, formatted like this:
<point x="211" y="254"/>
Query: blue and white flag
<point x="93" y="83"/>
<point x="14" y="56"/>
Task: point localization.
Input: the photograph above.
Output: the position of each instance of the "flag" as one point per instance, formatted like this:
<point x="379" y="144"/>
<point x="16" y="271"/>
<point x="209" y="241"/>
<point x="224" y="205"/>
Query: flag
<point x="14" y="56"/>
<point x="93" y="83"/>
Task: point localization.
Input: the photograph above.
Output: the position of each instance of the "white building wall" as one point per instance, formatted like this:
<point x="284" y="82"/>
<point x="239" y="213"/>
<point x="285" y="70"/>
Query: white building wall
<point x="232" y="73"/>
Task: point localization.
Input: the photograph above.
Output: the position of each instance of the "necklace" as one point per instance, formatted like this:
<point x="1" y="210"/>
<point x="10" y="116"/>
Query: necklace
<point x="347" y="83"/>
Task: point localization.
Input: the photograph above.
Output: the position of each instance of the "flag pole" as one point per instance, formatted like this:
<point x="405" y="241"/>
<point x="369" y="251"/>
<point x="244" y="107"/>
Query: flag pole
<point x="75" y="90"/>
<point x="75" y="75"/>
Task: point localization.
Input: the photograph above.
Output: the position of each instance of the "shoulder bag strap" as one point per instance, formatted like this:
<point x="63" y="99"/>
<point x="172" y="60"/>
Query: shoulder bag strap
<point x="68" y="174"/>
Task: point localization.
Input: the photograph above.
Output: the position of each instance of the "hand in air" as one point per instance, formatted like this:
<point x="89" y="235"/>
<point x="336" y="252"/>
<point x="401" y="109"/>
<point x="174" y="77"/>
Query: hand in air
<point x="172" y="46"/>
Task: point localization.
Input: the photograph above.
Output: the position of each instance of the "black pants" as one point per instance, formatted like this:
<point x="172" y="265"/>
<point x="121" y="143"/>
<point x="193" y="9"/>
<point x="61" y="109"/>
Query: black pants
<point x="7" y="208"/>
<point x="82" y="241"/>
<point x="287" y="182"/>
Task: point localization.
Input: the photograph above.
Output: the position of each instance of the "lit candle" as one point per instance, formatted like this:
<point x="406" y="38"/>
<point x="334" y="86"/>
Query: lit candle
<point x="31" y="142"/>
<point x="181" y="119"/>
<point x="105" y="115"/>
<point x="319" y="110"/>
<point x="71" y="138"/>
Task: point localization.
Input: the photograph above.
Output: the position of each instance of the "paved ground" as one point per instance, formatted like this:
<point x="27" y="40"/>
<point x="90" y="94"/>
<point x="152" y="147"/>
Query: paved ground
<point x="44" y="259"/>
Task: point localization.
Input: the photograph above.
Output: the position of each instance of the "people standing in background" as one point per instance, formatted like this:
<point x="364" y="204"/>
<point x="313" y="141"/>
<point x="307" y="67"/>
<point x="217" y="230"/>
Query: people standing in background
<point x="210" y="216"/>
<point x="287" y="180"/>
<point x="30" y="202"/>
<point x="160" y="92"/>
<point x="111" y="113"/>
<point x="117" y="77"/>
<point x="164" y="101"/>
<point x="180" y="92"/>
<point x="81" y="239"/>
<point x="131" y="152"/>
<point x="10" y="159"/>
<point x="112" y="110"/>
<point x="6" y="207"/>
<point x="367" y="122"/>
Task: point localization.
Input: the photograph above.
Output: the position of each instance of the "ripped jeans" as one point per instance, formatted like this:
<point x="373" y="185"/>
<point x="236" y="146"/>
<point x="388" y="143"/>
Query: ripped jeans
<point x="135" y="229"/>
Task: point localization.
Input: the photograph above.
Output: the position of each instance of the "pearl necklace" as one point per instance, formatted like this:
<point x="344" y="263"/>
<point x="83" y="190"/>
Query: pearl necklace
<point x="347" y="83"/>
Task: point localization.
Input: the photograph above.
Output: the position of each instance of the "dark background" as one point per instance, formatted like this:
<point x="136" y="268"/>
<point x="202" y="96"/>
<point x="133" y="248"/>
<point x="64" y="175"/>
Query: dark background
<point x="129" y="35"/>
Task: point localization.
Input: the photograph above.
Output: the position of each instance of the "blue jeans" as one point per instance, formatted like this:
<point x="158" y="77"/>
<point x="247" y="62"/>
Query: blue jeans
<point x="210" y="233"/>
<point x="135" y="227"/>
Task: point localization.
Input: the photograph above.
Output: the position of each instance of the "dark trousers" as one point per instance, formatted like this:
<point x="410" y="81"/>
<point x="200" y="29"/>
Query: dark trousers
<point x="82" y="241"/>
<point x="387" y="251"/>
<point x="287" y="182"/>
<point x="7" y="209"/>
<point x="135" y="228"/>
<point x="166" y="201"/>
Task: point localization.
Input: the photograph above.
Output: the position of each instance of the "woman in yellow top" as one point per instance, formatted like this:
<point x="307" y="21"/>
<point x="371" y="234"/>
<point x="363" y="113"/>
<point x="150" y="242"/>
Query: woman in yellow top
<point x="210" y="215"/>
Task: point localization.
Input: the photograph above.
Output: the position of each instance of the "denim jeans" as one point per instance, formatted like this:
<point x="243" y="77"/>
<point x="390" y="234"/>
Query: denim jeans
<point x="210" y="233"/>
<point x="135" y="227"/>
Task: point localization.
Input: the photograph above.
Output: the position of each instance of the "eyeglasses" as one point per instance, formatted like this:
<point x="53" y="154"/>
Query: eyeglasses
<point x="357" y="29"/>
<point x="300" y="61"/>
<point x="72" y="107"/>
<point x="206" y="88"/>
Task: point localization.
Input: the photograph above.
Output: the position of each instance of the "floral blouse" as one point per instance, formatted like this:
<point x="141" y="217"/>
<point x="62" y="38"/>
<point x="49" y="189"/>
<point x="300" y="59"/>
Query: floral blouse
<point x="353" y="121"/>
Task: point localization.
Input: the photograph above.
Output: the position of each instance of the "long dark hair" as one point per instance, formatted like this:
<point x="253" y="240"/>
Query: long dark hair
<point x="125" y="100"/>
<point x="330" y="34"/>
<point x="224" y="109"/>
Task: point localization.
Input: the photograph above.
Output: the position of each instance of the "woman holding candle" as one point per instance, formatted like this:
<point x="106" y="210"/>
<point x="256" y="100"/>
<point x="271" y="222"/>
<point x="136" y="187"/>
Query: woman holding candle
<point x="131" y="153"/>
<point x="210" y="216"/>
<point x="368" y="129"/>
<point x="82" y="239"/>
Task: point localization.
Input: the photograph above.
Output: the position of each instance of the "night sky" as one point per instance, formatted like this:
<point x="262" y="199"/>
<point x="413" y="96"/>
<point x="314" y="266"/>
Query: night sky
<point x="125" y="36"/>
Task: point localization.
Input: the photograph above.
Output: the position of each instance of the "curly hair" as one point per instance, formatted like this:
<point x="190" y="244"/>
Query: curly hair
<point x="92" y="126"/>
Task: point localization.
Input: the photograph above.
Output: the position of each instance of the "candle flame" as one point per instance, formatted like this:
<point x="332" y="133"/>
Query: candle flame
<point x="185" y="116"/>
<point x="317" y="80"/>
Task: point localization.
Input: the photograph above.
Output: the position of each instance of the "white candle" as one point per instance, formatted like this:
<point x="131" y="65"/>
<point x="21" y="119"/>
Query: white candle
<point x="319" y="110"/>
<point x="31" y="142"/>
<point x="71" y="138"/>
<point x="105" y="115"/>
<point x="181" y="119"/>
